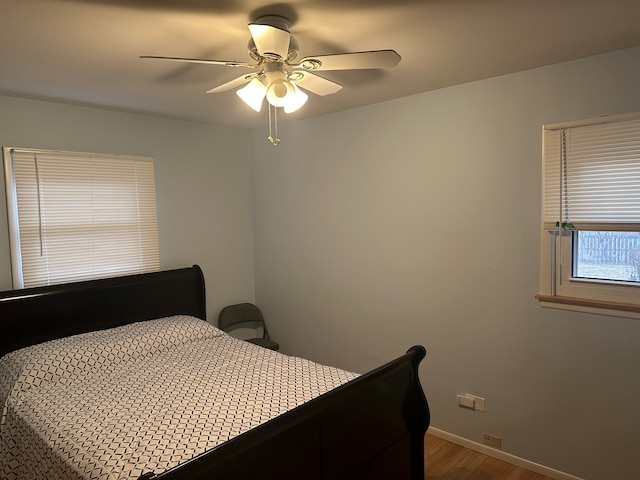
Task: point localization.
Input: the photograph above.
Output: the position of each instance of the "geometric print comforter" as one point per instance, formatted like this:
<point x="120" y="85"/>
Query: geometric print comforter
<point x="140" y="398"/>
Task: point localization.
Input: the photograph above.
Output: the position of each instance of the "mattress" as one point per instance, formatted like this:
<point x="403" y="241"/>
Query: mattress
<point x="144" y="397"/>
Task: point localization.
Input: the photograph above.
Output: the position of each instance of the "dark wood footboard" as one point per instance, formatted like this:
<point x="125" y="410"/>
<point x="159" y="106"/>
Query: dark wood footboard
<point x="371" y="428"/>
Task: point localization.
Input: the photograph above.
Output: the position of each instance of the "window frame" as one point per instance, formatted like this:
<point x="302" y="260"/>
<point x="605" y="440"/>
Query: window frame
<point x="116" y="200"/>
<point x="558" y="288"/>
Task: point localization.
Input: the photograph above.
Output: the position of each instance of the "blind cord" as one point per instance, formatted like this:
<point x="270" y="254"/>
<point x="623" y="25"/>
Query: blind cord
<point x="38" y="185"/>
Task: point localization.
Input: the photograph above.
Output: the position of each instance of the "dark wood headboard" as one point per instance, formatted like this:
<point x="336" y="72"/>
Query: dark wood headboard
<point x="34" y="315"/>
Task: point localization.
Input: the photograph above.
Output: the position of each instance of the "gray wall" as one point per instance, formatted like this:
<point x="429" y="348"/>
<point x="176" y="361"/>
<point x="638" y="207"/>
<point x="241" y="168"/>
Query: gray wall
<point x="203" y="184"/>
<point x="417" y="221"/>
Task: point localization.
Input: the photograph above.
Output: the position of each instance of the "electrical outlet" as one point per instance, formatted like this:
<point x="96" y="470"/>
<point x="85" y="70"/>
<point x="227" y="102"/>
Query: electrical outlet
<point x="492" y="440"/>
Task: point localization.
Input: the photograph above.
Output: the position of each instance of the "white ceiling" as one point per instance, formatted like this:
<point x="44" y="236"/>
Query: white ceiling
<point x="86" y="51"/>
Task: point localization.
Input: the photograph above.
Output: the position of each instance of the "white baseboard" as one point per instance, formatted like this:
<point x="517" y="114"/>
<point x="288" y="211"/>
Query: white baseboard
<point x="500" y="455"/>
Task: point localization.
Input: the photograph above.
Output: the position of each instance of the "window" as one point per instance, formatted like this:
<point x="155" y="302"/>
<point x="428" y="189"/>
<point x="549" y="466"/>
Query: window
<point x="591" y="216"/>
<point x="78" y="216"/>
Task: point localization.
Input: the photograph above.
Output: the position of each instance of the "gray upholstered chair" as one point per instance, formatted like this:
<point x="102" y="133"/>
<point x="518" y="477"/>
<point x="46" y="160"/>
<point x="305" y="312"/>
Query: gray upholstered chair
<point x="246" y="315"/>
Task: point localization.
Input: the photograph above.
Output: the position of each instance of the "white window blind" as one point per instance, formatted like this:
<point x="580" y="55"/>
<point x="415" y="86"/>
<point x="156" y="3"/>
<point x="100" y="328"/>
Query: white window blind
<point x="77" y="216"/>
<point x="592" y="175"/>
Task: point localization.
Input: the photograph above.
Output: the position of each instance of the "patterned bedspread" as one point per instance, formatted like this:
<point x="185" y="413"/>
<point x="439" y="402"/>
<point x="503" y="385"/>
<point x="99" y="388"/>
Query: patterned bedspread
<point x="144" y="397"/>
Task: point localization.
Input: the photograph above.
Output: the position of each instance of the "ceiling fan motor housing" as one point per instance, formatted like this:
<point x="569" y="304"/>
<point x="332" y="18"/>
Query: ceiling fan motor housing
<point x="292" y="53"/>
<point x="281" y="23"/>
<point x="277" y="21"/>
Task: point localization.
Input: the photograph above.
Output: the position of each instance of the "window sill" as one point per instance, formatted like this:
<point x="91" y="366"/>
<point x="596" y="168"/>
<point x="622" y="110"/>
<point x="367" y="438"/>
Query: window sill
<point x="614" y="309"/>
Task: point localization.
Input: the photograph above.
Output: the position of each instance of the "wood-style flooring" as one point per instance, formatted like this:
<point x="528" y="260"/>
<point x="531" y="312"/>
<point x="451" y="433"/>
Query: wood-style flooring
<point x="447" y="461"/>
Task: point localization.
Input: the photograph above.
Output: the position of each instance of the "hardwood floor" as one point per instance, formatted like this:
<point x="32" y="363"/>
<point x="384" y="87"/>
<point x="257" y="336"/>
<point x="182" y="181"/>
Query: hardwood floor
<point x="447" y="461"/>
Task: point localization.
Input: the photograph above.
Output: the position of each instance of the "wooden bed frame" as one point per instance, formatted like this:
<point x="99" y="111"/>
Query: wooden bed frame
<point x="371" y="428"/>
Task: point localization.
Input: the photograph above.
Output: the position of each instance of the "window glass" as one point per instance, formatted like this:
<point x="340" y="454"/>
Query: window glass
<point x="613" y="256"/>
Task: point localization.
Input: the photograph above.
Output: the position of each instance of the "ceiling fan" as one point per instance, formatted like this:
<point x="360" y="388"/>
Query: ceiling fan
<point x="277" y="76"/>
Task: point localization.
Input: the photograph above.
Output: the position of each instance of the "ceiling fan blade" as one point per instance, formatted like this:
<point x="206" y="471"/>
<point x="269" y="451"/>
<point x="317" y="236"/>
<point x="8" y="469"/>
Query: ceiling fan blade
<point x="202" y="60"/>
<point x="350" y="61"/>
<point x="270" y="40"/>
<point x="236" y="82"/>
<point x="314" y="83"/>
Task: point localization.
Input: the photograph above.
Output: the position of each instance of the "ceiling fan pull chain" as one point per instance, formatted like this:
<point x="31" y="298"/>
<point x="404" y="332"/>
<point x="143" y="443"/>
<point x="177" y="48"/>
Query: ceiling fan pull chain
<point x="273" y="126"/>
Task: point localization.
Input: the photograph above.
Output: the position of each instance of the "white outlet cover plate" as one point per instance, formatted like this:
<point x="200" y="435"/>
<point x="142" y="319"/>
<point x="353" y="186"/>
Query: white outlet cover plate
<point x="478" y="402"/>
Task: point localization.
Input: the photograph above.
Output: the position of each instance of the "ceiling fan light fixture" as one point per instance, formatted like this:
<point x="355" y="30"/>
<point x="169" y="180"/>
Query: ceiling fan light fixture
<point x="295" y="100"/>
<point x="253" y="94"/>
<point x="279" y="89"/>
